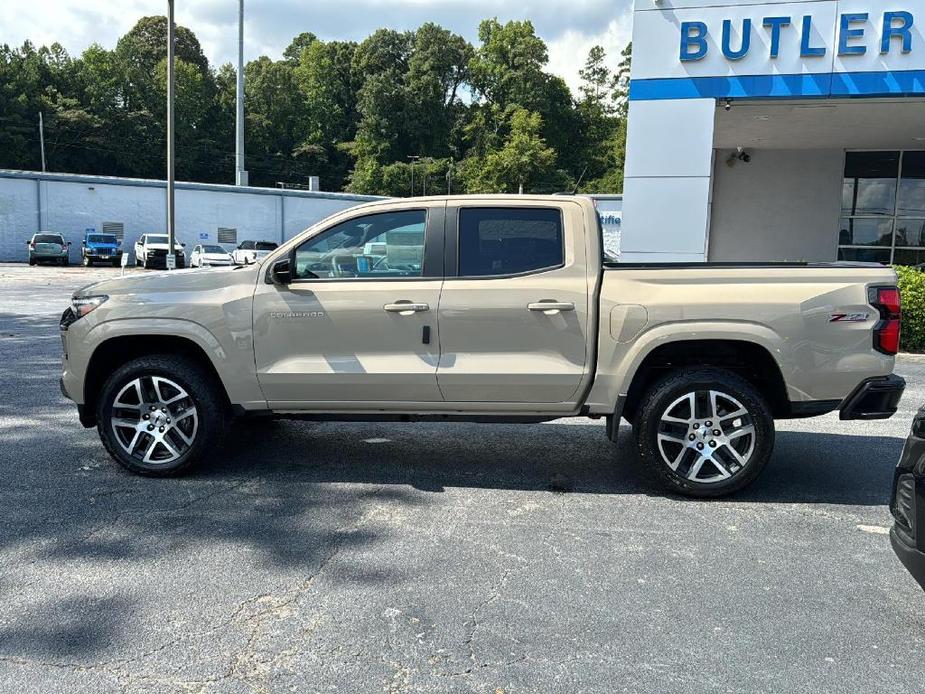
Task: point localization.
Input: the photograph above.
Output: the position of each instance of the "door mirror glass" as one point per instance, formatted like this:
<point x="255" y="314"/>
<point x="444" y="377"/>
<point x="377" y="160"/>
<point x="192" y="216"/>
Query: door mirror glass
<point x="281" y="272"/>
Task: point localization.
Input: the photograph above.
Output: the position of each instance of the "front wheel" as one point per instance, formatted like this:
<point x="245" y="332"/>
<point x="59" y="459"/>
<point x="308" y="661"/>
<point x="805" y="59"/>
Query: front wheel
<point x="704" y="432"/>
<point x="158" y="415"/>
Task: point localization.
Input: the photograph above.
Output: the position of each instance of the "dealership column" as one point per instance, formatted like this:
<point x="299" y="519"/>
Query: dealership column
<point x="666" y="191"/>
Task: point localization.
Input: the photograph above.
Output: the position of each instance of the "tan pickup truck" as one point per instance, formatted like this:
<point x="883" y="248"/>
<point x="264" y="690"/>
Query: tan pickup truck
<point x="487" y="309"/>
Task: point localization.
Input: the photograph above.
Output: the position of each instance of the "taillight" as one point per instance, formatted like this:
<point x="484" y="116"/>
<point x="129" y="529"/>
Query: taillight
<point x="887" y="332"/>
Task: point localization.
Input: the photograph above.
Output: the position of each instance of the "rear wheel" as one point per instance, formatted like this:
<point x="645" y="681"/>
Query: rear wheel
<point x="704" y="432"/>
<point x="160" y="414"/>
<point x="31" y="260"/>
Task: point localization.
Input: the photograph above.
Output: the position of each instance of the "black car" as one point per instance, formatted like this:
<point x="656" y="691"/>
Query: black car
<point x="908" y="503"/>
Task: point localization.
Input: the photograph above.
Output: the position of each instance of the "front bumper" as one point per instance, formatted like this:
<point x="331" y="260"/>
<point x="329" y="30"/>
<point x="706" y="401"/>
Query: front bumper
<point x="158" y="259"/>
<point x="912" y="559"/>
<point x="875" y="398"/>
<point x="104" y="255"/>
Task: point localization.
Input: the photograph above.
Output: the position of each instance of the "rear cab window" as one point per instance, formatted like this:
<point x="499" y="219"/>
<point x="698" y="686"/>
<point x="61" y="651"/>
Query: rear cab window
<point x="498" y="241"/>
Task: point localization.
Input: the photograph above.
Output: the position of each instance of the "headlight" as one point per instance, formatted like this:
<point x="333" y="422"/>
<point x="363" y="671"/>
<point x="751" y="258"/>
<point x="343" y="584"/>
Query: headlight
<point x="87" y="304"/>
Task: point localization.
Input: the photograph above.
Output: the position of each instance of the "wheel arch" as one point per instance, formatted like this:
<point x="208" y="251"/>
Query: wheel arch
<point x="748" y="359"/>
<point x="118" y="350"/>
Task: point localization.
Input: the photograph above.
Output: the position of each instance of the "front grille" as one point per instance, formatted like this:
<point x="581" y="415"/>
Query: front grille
<point x="157" y="253"/>
<point x="904" y="504"/>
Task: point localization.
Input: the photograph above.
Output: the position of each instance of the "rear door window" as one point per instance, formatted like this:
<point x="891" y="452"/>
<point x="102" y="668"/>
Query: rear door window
<point x="496" y="241"/>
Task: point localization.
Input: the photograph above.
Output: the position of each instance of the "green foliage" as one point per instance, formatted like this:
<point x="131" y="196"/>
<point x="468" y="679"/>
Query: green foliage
<point x="523" y="161"/>
<point x="484" y="118"/>
<point x="912" y="289"/>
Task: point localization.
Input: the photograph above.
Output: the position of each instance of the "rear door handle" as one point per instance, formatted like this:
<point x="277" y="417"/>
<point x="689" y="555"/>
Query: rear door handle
<point x="551" y="308"/>
<point x="406" y="308"/>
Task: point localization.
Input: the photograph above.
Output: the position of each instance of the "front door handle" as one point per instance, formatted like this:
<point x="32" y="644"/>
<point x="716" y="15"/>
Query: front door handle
<point x="406" y="308"/>
<point x="551" y="308"/>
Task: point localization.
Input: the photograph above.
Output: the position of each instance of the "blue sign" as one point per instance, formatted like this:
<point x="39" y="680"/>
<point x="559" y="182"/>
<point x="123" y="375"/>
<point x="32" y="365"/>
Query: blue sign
<point x="895" y="30"/>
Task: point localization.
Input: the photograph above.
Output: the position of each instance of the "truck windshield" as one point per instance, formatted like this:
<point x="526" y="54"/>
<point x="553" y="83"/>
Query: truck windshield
<point x="156" y="239"/>
<point x="102" y="238"/>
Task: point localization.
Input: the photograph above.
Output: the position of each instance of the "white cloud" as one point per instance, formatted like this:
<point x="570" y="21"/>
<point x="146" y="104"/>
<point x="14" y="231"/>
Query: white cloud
<point x="567" y="53"/>
<point x="569" y="27"/>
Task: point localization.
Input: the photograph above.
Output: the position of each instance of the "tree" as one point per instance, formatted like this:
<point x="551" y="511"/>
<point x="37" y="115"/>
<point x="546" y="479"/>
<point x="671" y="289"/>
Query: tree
<point x="524" y="160"/>
<point x="350" y="113"/>
<point x="507" y="69"/>
<point x="297" y="46"/>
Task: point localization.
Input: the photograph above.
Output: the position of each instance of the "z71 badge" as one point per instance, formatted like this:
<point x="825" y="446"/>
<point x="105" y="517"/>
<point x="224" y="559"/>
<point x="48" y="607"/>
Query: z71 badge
<point x="849" y="318"/>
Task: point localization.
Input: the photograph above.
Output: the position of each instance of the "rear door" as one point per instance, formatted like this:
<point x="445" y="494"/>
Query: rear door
<point x="357" y="326"/>
<point x="514" y="314"/>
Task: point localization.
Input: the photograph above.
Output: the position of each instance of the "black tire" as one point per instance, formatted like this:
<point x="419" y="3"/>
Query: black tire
<point x="203" y="392"/>
<point x="31" y="261"/>
<point x="65" y="262"/>
<point x="116" y="262"/>
<point x="668" y="393"/>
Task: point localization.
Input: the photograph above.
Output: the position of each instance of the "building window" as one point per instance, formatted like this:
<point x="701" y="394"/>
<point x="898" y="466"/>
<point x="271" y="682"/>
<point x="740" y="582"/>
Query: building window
<point x="883" y="208"/>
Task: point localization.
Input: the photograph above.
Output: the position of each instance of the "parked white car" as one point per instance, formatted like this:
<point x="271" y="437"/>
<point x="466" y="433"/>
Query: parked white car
<point x="205" y="255"/>
<point x="252" y="251"/>
<point x="151" y="251"/>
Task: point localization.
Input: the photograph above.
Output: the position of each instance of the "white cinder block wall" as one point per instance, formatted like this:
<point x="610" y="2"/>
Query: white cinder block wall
<point x="71" y="204"/>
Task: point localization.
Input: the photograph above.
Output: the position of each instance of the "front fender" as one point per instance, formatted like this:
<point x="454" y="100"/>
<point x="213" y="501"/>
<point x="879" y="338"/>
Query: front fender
<point x="231" y="353"/>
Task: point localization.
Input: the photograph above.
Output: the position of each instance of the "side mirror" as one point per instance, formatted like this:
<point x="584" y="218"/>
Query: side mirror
<point x="281" y="272"/>
<point x="68" y="244"/>
<point x="182" y="245"/>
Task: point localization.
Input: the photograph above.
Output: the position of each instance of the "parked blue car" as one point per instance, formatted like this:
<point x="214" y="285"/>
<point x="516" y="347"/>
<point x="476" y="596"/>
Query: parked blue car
<point x="100" y="248"/>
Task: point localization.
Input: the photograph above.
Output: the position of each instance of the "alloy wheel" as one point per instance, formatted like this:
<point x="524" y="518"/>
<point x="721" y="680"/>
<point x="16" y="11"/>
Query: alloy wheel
<point x="154" y="420"/>
<point x="706" y="436"/>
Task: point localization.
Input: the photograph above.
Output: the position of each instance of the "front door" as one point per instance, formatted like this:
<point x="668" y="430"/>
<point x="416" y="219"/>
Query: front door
<point x="514" y="315"/>
<point x="358" y="322"/>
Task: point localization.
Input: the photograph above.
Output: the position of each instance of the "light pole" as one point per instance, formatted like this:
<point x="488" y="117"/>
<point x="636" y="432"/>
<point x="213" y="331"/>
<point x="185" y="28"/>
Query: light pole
<point x="414" y="159"/>
<point x="171" y="153"/>
<point x="240" y="174"/>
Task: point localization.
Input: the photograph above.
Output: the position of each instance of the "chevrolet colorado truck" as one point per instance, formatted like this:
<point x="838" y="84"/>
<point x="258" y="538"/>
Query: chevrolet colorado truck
<point x="485" y="309"/>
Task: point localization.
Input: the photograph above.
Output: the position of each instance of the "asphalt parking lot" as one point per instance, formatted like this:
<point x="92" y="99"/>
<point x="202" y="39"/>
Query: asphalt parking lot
<point x="435" y="558"/>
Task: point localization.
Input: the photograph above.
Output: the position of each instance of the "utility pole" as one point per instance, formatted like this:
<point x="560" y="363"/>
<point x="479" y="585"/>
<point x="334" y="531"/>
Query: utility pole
<point x="240" y="174"/>
<point x="449" y="178"/>
<point x="42" y="139"/>
<point x="414" y="159"/>
<point x="171" y="153"/>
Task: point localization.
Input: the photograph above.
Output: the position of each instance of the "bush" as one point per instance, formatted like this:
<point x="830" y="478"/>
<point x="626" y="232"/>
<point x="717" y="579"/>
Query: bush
<point x="912" y="288"/>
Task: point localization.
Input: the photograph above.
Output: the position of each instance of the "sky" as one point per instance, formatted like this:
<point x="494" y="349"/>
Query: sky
<point x="570" y="27"/>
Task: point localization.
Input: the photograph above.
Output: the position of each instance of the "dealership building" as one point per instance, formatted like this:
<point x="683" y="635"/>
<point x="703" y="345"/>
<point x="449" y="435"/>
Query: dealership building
<point x="776" y="132"/>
